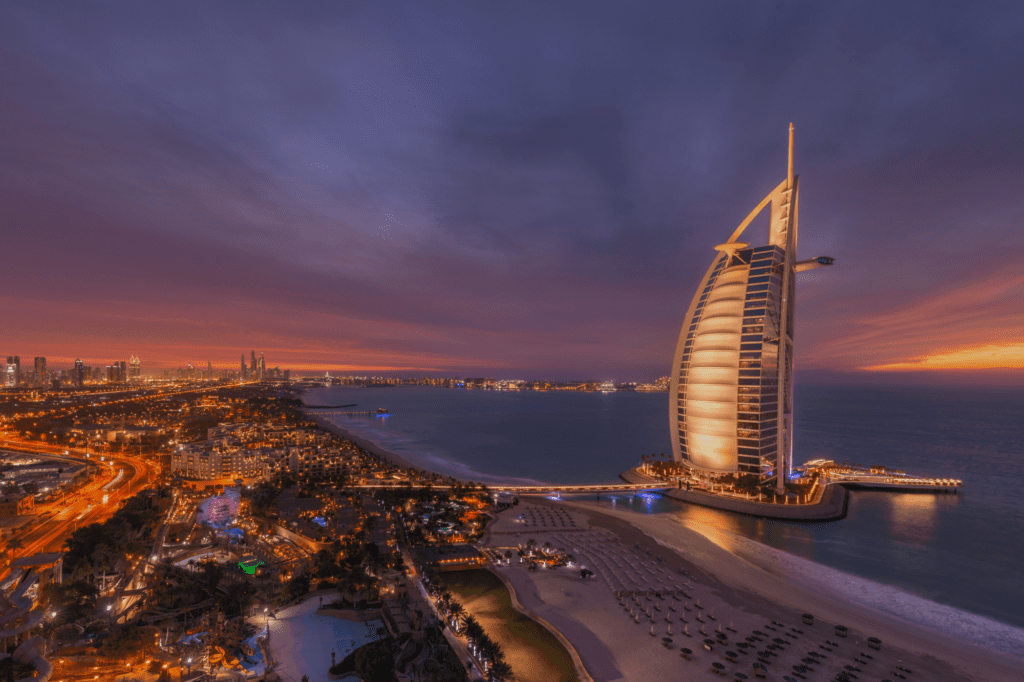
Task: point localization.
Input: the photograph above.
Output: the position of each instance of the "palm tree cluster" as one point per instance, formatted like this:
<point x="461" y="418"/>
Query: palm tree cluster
<point x="488" y="652"/>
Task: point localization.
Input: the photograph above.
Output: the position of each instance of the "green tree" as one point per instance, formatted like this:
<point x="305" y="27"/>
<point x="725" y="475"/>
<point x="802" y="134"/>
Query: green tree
<point x="375" y="662"/>
<point x="127" y="641"/>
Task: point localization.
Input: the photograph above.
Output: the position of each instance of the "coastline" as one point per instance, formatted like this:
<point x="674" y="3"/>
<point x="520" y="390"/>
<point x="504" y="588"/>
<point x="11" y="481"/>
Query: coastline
<point x="769" y="574"/>
<point x="763" y="575"/>
<point x="375" y="448"/>
<point x="368" y="445"/>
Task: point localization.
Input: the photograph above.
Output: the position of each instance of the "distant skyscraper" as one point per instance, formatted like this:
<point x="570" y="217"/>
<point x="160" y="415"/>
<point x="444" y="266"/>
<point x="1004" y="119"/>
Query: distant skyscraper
<point x="79" y="373"/>
<point x="243" y="373"/>
<point x="731" y="391"/>
<point x="40" y="370"/>
<point x="13" y="374"/>
<point x="263" y="368"/>
<point x="252" y="368"/>
<point x="134" y="369"/>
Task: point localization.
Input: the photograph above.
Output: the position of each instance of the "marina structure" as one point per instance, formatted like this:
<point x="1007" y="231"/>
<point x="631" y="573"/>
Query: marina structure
<point x="731" y="387"/>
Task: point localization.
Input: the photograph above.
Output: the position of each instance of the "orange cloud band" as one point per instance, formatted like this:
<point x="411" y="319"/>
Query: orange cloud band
<point x="984" y="356"/>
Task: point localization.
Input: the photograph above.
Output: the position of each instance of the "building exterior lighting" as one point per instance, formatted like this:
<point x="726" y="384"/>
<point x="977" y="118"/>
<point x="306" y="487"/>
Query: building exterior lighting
<point x="731" y="387"/>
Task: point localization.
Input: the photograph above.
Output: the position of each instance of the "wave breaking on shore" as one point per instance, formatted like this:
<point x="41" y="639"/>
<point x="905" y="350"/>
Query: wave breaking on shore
<point x="404" y="452"/>
<point x="884" y="599"/>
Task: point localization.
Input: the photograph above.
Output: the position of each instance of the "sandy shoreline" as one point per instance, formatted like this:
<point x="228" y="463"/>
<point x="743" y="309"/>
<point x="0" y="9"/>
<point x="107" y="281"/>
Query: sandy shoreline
<point x="758" y="582"/>
<point x="746" y="588"/>
<point x="367" y="445"/>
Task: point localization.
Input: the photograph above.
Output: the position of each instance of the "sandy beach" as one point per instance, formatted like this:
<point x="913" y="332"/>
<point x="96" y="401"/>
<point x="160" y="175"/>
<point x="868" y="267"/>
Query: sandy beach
<point x="745" y="585"/>
<point x="747" y="593"/>
<point x="367" y="445"/>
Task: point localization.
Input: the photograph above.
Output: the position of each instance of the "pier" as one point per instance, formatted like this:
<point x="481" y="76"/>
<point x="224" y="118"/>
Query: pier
<point x="877" y="478"/>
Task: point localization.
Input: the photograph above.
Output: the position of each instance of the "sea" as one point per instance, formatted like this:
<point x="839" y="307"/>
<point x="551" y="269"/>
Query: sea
<point x="964" y="551"/>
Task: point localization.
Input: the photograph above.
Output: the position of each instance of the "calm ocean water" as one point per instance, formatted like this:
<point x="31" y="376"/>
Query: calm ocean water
<point x="966" y="551"/>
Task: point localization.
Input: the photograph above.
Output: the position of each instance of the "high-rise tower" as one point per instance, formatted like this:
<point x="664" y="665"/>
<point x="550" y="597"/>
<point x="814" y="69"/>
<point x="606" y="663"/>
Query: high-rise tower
<point x="242" y="373"/>
<point x="252" y="368"/>
<point x="263" y="368"/>
<point x="13" y="377"/>
<point x="731" y="389"/>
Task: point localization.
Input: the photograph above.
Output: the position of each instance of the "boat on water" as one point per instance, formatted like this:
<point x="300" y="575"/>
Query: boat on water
<point x="607" y="387"/>
<point x="382" y="412"/>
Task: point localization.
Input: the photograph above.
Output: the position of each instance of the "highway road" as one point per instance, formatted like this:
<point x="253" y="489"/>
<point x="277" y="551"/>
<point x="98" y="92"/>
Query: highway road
<point x="88" y="504"/>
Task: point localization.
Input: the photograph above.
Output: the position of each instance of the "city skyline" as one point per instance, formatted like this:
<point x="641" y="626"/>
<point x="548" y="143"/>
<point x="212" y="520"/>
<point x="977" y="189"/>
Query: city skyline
<point x="390" y="202"/>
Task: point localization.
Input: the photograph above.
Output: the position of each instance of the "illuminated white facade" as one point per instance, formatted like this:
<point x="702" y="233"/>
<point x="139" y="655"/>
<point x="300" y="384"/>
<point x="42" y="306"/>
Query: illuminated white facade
<point x="731" y="390"/>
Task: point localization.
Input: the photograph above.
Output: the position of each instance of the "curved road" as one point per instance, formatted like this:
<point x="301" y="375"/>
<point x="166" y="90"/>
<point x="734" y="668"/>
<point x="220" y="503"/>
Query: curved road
<point x="84" y="506"/>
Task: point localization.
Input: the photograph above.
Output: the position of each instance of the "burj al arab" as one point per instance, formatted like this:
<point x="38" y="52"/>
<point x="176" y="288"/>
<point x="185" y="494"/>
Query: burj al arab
<point x="731" y="391"/>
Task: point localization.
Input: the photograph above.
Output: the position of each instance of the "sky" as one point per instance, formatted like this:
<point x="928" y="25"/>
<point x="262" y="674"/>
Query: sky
<point x="517" y="189"/>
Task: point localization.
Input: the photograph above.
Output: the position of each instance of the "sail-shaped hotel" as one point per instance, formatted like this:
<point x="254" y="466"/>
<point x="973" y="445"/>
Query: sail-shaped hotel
<point x="731" y="391"/>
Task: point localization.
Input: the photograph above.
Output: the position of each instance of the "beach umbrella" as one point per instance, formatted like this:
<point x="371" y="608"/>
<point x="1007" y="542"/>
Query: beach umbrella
<point x="740" y="676"/>
<point x="686" y="651"/>
<point x="718" y="666"/>
<point x="710" y="642"/>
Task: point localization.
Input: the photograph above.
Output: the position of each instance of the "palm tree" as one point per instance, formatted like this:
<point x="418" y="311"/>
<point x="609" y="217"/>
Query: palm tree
<point x="471" y="628"/>
<point x="102" y="555"/>
<point x="501" y="671"/>
<point x="457" y="612"/>
<point x="10" y="549"/>
<point x="491" y="650"/>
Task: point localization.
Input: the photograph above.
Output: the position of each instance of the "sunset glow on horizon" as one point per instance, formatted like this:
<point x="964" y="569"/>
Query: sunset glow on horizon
<point x="395" y="203"/>
<point x="988" y="356"/>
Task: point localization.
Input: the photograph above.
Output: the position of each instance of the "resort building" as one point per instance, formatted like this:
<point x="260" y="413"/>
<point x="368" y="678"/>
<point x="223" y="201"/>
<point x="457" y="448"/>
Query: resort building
<point x="458" y="557"/>
<point x="731" y="387"/>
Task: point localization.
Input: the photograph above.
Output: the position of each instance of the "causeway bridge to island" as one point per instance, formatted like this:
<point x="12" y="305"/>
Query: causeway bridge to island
<point x="529" y="489"/>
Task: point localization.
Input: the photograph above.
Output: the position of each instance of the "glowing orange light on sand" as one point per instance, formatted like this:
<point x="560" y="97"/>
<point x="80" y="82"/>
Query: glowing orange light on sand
<point x="983" y="356"/>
